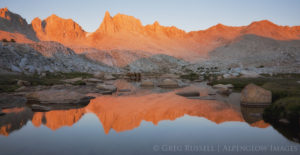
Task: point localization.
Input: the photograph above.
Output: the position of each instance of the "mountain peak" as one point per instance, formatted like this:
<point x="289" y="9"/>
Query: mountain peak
<point x="53" y="16"/>
<point x="55" y="28"/>
<point x="4" y="13"/>
<point x="119" y="22"/>
<point x="156" y="23"/>
<point x="107" y="15"/>
<point x="262" y="23"/>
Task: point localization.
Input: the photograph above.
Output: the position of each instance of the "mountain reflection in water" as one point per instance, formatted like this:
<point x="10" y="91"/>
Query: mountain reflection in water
<point x="125" y="112"/>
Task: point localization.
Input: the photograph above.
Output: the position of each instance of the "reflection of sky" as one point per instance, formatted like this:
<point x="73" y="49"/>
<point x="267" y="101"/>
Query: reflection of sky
<point x="185" y="14"/>
<point x="88" y="136"/>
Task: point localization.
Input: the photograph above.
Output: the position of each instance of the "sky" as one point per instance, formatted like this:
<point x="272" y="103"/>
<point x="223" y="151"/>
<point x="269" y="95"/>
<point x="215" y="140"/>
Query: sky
<point x="189" y="15"/>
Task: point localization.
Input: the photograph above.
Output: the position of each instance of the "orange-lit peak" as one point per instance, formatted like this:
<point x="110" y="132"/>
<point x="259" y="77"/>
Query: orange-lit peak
<point x="262" y="23"/>
<point x="4" y="13"/>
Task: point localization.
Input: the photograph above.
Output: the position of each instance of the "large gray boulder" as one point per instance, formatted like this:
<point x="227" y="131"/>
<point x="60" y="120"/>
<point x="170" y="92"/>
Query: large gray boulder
<point x="254" y="95"/>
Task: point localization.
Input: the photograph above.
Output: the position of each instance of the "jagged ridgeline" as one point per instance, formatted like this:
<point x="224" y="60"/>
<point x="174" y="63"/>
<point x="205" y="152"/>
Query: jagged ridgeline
<point x="122" y="41"/>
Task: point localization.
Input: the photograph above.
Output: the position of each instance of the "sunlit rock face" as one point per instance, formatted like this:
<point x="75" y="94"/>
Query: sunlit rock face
<point x="54" y="28"/>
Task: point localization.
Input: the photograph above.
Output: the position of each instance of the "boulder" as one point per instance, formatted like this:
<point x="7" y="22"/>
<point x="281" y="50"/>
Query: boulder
<point x="99" y="75"/>
<point x="109" y="77"/>
<point x="61" y="96"/>
<point x="228" y="86"/>
<point x="104" y="87"/>
<point x="147" y="83"/>
<point x="255" y="95"/>
<point x="23" y="83"/>
<point x="249" y="74"/>
<point x="168" y="83"/>
<point x="223" y="89"/>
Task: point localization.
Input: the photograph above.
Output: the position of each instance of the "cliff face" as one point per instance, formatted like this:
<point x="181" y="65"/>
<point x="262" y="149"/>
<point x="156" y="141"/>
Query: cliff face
<point x="54" y="28"/>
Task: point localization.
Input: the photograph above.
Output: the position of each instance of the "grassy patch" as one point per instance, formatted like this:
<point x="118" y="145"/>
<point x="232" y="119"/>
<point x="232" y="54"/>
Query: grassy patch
<point x="80" y="82"/>
<point x="190" y="76"/>
<point x="288" y="108"/>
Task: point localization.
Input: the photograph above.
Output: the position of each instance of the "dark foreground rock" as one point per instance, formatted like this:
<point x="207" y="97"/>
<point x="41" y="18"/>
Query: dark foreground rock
<point x="11" y="101"/>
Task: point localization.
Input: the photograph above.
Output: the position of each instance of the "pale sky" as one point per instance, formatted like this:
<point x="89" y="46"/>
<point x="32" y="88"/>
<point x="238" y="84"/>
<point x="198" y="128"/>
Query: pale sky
<point x="189" y="15"/>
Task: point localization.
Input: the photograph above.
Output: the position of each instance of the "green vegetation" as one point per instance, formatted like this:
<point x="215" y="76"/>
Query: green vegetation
<point x="288" y="108"/>
<point x="261" y="66"/>
<point x="8" y="83"/>
<point x="80" y="82"/>
<point x="190" y="76"/>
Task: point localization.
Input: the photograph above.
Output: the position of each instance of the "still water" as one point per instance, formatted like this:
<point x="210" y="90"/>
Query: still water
<point x="144" y="121"/>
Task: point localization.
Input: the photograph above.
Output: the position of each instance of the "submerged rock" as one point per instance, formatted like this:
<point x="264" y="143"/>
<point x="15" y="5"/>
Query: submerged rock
<point x="168" y="83"/>
<point x="255" y="96"/>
